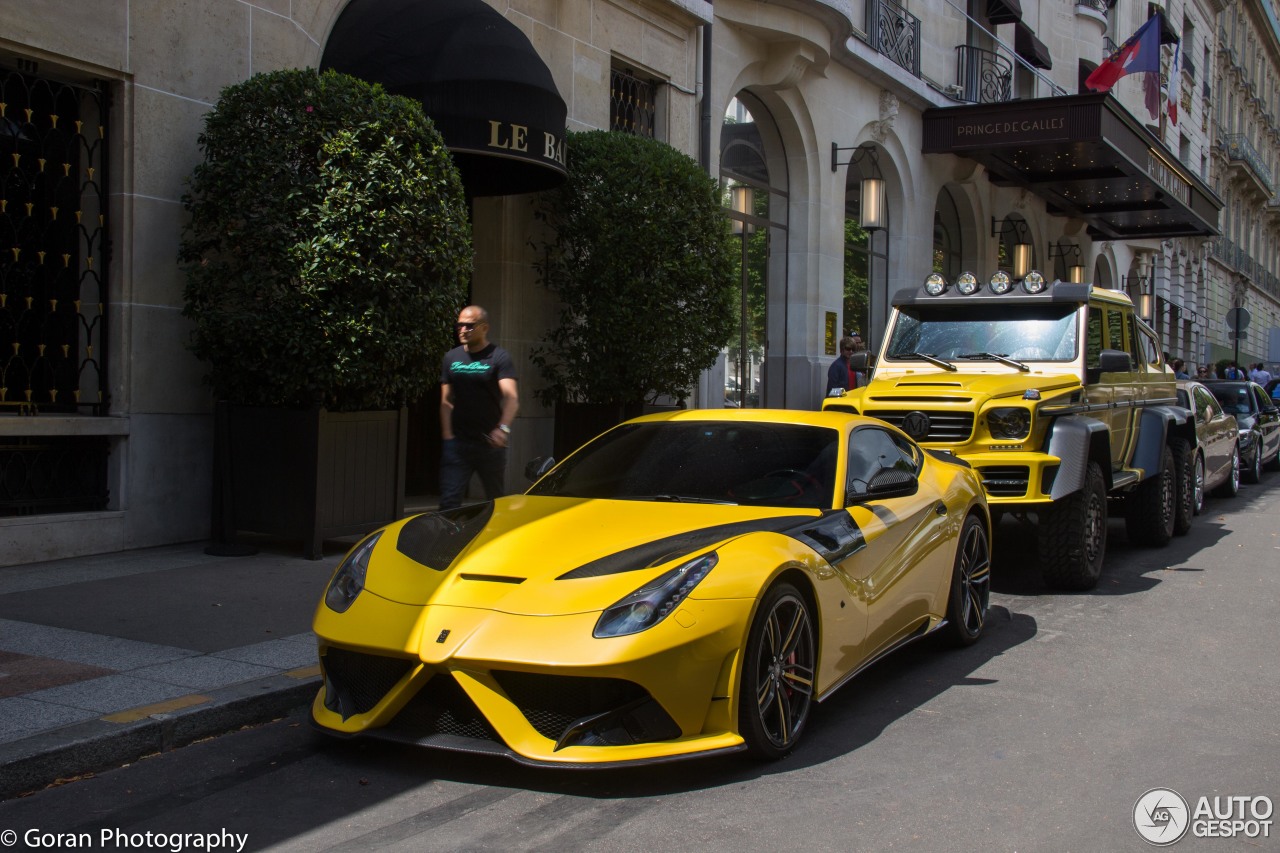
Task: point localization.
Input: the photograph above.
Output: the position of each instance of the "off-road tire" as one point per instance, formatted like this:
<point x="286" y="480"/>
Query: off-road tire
<point x="1151" y="511"/>
<point x="1073" y="536"/>
<point x="1184" y="472"/>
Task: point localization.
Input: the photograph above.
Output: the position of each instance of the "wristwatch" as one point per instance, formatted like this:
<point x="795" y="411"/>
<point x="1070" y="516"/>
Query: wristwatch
<point x="505" y="428"/>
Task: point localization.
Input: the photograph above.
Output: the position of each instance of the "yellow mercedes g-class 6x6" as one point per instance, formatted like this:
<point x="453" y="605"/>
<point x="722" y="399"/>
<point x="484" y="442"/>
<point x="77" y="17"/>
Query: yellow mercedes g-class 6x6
<point x="1057" y="394"/>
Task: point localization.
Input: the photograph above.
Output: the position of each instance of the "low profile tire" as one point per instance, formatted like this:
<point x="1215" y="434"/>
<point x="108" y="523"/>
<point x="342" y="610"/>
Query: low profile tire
<point x="1188" y="475"/>
<point x="1231" y="486"/>
<point x="1152" y="510"/>
<point x="776" y="689"/>
<point x="970" y="584"/>
<point x="1073" y="536"/>
<point x="1253" y="474"/>
<point x="1198" y="482"/>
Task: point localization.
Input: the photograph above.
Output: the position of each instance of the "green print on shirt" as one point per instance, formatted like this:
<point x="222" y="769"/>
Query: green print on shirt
<point x="473" y="367"/>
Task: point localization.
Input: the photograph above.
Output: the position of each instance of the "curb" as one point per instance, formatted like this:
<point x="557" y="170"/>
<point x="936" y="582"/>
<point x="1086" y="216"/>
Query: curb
<point x="29" y="764"/>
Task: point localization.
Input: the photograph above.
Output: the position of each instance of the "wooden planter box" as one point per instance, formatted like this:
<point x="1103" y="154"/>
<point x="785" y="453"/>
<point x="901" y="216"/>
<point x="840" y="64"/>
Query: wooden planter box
<point x="308" y="474"/>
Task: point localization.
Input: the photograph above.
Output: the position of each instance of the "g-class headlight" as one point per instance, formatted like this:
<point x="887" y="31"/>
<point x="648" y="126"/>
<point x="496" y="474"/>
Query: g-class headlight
<point x="348" y="580"/>
<point x="654" y="601"/>
<point x="1009" y="423"/>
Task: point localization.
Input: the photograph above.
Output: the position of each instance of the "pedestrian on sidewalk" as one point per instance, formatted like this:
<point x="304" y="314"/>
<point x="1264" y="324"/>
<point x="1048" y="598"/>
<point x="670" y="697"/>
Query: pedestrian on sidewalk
<point x="478" y="403"/>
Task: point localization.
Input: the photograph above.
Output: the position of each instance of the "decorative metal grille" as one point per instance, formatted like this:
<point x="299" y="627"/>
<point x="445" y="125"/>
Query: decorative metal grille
<point x="53" y="245"/>
<point x="633" y="103"/>
<point x="54" y="474"/>
<point x="985" y="77"/>
<point x="895" y="32"/>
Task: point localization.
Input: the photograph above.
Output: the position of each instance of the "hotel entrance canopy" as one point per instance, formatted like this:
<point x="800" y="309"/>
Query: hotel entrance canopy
<point x="479" y="80"/>
<point x="1087" y="157"/>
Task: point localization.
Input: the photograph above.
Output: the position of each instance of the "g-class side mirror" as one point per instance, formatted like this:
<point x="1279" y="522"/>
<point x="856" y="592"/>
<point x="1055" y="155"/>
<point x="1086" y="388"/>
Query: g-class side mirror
<point x="1114" y="361"/>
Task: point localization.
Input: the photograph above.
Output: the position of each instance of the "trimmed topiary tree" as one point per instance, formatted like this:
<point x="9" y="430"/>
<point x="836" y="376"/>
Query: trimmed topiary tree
<point x="328" y="248"/>
<point x="641" y="258"/>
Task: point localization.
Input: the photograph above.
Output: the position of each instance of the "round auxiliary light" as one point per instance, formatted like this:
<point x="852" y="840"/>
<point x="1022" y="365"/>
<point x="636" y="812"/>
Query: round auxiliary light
<point x="1000" y="282"/>
<point x="935" y="284"/>
<point x="1033" y="282"/>
<point x="967" y="283"/>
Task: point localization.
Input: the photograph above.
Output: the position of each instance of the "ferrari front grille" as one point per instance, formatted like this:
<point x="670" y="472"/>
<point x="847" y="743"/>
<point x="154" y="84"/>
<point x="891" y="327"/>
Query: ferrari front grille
<point x="552" y="702"/>
<point x="950" y="427"/>
<point x="572" y="709"/>
<point x="442" y="707"/>
<point x="356" y="682"/>
<point x="1005" y="481"/>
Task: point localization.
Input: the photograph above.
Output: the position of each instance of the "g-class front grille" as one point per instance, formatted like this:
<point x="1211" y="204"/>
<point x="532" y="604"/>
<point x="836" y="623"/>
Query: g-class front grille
<point x="948" y="427"/>
<point x="1005" y="481"/>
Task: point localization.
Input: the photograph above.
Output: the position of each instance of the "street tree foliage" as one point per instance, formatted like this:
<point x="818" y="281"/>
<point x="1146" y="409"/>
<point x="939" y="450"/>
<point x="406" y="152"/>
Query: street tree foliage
<point x="639" y="253"/>
<point x="328" y="247"/>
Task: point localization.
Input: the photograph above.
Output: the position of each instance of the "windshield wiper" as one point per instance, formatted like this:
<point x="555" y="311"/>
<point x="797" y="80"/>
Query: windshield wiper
<point x="932" y="359"/>
<point x="1000" y="357"/>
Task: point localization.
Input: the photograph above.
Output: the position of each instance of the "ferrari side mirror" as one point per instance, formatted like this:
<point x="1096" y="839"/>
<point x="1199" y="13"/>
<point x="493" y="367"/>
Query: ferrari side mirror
<point x="537" y="468"/>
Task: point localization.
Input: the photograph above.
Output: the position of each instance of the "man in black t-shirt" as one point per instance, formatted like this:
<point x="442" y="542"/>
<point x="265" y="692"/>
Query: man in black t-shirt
<point x="478" y="402"/>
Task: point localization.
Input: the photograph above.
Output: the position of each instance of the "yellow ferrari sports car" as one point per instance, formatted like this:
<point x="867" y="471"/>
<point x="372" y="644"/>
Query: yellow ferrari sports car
<point x="686" y="583"/>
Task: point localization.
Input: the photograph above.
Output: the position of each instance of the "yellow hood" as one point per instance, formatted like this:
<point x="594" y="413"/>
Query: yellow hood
<point x="960" y="387"/>
<point x="518" y="555"/>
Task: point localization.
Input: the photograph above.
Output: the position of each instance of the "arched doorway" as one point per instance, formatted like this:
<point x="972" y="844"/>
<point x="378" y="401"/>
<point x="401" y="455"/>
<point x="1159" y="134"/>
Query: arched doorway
<point x="754" y="175"/>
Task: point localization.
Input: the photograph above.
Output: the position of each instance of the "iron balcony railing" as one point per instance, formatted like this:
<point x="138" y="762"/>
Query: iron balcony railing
<point x="1239" y="148"/>
<point x="984" y="76"/>
<point x="894" y="32"/>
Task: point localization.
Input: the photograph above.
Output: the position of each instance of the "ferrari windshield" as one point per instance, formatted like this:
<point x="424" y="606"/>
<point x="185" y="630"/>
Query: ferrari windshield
<point x="736" y="462"/>
<point x="985" y="331"/>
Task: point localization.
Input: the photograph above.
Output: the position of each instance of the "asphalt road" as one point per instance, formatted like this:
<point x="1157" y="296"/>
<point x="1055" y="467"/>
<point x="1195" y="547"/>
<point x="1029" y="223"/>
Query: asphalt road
<point x="1041" y="737"/>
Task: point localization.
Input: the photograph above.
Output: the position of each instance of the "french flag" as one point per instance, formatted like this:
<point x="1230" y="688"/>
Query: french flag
<point x="1141" y="53"/>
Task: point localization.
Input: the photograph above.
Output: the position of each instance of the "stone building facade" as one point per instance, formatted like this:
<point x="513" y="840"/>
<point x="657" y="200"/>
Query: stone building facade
<point x="862" y="144"/>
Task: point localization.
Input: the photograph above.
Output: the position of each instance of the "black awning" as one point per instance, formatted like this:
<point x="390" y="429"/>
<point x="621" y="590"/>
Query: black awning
<point x="1087" y="157"/>
<point x="479" y="79"/>
<point x="1004" y="11"/>
<point x="1031" y="48"/>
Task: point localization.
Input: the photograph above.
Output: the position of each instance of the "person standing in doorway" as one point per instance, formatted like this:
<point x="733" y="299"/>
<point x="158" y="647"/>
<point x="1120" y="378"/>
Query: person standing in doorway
<point x="840" y="376"/>
<point x="478" y="403"/>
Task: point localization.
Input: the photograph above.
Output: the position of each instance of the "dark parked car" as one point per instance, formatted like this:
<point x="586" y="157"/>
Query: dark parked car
<point x="1216" y="465"/>
<point x="1259" y="421"/>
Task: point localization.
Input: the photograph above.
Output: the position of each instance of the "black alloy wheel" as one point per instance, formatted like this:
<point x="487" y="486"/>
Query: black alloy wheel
<point x="970" y="584"/>
<point x="776" y="688"/>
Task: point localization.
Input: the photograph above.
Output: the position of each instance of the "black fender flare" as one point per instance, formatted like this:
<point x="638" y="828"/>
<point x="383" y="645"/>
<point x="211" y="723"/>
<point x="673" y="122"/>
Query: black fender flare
<point x="1156" y="426"/>
<point x="1076" y="440"/>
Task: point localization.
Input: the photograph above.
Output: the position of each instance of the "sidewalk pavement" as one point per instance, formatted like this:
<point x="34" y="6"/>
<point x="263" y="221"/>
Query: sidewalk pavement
<point x="108" y="658"/>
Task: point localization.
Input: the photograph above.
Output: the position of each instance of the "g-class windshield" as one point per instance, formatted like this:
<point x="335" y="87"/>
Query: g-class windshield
<point x="1005" y="333"/>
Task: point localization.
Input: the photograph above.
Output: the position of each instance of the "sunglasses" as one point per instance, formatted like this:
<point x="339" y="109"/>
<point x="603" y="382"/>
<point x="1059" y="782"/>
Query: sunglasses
<point x="466" y="327"/>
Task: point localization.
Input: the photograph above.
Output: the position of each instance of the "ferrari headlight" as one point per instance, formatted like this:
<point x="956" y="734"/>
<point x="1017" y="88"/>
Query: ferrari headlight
<point x="654" y="601"/>
<point x="1009" y="423"/>
<point x="348" y="580"/>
